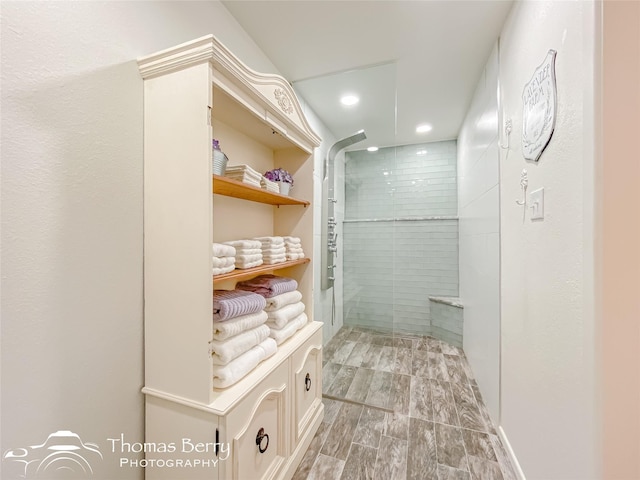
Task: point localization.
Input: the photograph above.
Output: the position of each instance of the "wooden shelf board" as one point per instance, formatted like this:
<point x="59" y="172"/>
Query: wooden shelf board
<point x="233" y="188"/>
<point x="243" y="274"/>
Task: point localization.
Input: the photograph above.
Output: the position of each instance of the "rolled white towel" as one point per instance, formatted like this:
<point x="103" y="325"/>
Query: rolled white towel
<point x="222" y="352"/>
<point x="279" y="301"/>
<point x="244" y="244"/>
<point x="295" y="256"/>
<point x="234" y="326"/>
<point x="279" y="318"/>
<point x="224" y="376"/>
<point x="245" y="265"/>
<point x="222" y="250"/>
<point x="290" y="328"/>
<point x="292" y="239"/>
<point x="222" y="271"/>
<point x="222" y="262"/>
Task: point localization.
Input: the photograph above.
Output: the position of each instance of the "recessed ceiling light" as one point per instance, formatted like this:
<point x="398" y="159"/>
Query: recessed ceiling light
<point x="372" y="149"/>
<point x="349" y="100"/>
<point x="423" y="128"/>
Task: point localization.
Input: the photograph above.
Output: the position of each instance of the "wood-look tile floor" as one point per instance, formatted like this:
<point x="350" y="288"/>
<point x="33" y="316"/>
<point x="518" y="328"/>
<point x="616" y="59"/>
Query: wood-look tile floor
<point x="401" y="407"/>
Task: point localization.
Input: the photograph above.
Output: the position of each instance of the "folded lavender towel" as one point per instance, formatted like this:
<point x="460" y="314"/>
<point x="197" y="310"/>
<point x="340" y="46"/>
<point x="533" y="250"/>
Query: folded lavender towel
<point x="234" y="303"/>
<point x="268" y="285"/>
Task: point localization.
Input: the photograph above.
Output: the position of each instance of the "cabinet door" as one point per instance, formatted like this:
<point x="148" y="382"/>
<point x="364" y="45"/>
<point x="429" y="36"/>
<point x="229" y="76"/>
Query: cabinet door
<point x="180" y="442"/>
<point x="307" y="385"/>
<point x="258" y="429"/>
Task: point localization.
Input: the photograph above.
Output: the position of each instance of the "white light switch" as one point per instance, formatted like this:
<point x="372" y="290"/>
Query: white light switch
<point x="536" y="204"/>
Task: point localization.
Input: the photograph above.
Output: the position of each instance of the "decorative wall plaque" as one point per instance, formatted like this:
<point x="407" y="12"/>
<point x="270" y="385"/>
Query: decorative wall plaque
<point x="283" y="100"/>
<point x="539" y="100"/>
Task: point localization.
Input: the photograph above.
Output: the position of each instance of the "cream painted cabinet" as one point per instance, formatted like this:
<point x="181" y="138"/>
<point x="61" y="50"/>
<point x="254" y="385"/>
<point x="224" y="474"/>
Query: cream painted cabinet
<point x="259" y="427"/>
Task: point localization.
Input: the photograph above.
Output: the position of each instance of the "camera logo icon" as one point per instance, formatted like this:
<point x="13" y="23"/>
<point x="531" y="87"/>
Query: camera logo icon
<point x="63" y="455"/>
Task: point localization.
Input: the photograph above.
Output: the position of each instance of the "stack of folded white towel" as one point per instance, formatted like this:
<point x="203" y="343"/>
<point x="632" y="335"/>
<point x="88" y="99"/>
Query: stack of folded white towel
<point x="248" y="253"/>
<point x="241" y="340"/>
<point x="244" y="174"/>
<point x="269" y="186"/>
<point x="284" y="308"/>
<point x="273" y="250"/>
<point x="293" y="247"/>
<point x="285" y="315"/>
<point x="223" y="258"/>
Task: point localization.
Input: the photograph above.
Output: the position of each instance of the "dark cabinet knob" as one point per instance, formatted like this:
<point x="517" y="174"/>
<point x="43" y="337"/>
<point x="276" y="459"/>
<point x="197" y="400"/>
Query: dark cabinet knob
<point x="259" y="440"/>
<point x="307" y="382"/>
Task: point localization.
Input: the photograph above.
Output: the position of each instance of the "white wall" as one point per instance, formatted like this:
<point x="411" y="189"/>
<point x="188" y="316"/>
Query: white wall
<point x="479" y="232"/>
<point x="322" y="299"/>
<point x="548" y="380"/>
<point x="72" y="345"/>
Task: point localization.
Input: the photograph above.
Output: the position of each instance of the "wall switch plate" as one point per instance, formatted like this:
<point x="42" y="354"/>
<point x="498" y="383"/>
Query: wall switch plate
<point x="536" y="204"/>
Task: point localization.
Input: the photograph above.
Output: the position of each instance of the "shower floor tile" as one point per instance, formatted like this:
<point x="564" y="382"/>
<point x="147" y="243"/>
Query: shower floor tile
<point x="401" y="407"/>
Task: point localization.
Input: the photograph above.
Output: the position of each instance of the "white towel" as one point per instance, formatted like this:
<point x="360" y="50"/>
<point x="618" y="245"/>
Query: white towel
<point x="292" y="327"/>
<point x="292" y="239"/>
<point x="271" y="242"/>
<point x="273" y="261"/>
<point x="222" y="352"/>
<point x="276" y="239"/>
<point x="279" y="318"/>
<point x="272" y="252"/>
<point x="241" y="366"/>
<point x="222" y="262"/>
<point x="242" y="168"/>
<point x="222" y="271"/>
<point x="248" y="258"/>
<point x="245" y="265"/>
<point x="279" y="301"/>
<point x="295" y="256"/>
<point x="221" y="250"/>
<point x="248" y="251"/>
<point x="294" y="250"/>
<point x="244" y="244"/>
<point x="235" y="326"/>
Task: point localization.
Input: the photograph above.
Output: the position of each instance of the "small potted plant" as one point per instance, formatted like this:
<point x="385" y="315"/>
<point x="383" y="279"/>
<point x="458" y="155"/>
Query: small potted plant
<point x="284" y="179"/>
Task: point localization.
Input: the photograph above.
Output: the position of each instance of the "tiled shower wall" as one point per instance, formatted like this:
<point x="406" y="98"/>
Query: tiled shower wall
<point x="400" y="235"/>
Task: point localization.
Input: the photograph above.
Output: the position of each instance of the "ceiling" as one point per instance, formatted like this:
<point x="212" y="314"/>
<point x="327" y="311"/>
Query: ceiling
<point x="410" y="62"/>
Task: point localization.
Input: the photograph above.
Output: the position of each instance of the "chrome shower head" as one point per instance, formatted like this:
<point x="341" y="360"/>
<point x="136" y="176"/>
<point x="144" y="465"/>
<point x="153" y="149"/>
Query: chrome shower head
<point x="341" y="144"/>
